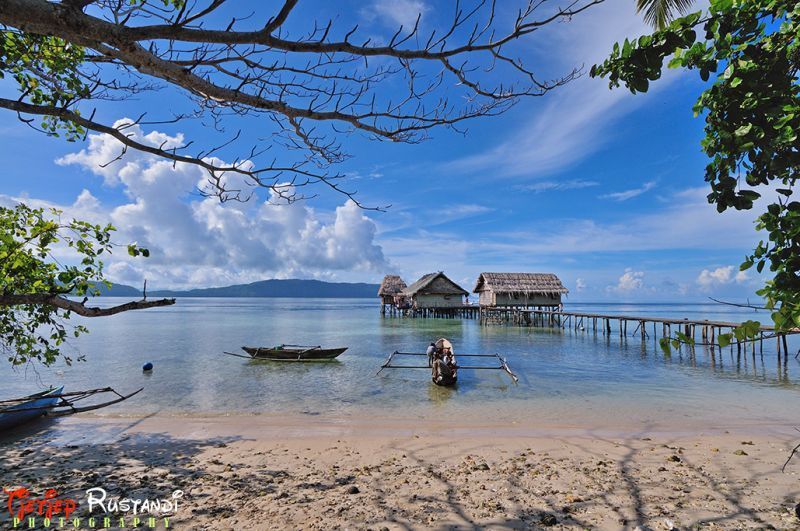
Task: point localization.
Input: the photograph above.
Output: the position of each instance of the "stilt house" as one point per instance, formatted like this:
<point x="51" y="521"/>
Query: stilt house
<point x="519" y="290"/>
<point x="435" y="290"/>
<point x="391" y="291"/>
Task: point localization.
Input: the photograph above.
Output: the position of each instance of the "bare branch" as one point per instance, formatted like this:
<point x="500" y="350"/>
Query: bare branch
<point x="313" y="86"/>
<point x="79" y="308"/>
<point x="748" y="305"/>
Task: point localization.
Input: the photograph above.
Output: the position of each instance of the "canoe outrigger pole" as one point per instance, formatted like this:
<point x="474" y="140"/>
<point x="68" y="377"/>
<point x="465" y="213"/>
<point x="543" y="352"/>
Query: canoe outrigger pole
<point x="503" y="365"/>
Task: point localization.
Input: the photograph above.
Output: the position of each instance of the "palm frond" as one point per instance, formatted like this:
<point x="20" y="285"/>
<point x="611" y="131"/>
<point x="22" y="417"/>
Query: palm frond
<point x="659" y="13"/>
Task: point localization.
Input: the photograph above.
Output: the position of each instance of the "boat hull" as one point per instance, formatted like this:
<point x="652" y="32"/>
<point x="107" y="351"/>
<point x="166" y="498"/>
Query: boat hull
<point x="34" y="407"/>
<point x="293" y="354"/>
<point x="445" y="382"/>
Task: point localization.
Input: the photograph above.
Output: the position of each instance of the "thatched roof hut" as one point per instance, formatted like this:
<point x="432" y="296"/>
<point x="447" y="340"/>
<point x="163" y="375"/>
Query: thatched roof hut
<point x="519" y="289"/>
<point x="435" y="290"/>
<point x="391" y="287"/>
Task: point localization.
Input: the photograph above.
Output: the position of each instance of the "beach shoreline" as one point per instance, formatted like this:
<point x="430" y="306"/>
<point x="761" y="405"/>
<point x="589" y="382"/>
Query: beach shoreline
<point x="312" y="472"/>
<point x="106" y="428"/>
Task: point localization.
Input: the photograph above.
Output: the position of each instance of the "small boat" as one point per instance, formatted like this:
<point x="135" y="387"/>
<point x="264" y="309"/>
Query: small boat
<point x="53" y="403"/>
<point x="448" y="369"/>
<point x="448" y="378"/>
<point x="292" y="353"/>
<point x="20" y="410"/>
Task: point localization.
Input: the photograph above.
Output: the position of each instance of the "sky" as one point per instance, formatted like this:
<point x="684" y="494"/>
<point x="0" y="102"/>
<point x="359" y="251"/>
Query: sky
<point x="601" y="187"/>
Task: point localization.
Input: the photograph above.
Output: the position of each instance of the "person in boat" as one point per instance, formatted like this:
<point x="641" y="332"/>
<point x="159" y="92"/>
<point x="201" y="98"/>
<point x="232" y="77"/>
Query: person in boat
<point x="449" y="357"/>
<point x="444" y="366"/>
<point x="431" y="352"/>
<point x="450" y="361"/>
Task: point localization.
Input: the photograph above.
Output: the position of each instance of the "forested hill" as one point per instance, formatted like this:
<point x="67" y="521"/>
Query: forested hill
<point x="265" y="288"/>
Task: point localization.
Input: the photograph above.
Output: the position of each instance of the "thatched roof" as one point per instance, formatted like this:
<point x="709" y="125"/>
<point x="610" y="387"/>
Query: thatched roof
<point x="530" y="283"/>
<point x="391" y="285"/>
<point x="436" y="284"/>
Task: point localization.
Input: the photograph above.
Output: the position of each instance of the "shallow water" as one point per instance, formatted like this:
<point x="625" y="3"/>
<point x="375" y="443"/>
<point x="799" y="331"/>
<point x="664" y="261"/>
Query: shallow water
<point x="566" y="376"/>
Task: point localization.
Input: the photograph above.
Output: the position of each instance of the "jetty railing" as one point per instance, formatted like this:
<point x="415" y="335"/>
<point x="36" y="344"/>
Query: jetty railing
<point x="706" y="330"/>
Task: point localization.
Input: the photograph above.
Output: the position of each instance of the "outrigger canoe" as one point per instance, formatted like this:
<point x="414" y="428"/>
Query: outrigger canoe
<point x="451" y="378"/>
<point x="293" y="353"/>
<point x="25" y="409"/>
<point x="54" y="403"/>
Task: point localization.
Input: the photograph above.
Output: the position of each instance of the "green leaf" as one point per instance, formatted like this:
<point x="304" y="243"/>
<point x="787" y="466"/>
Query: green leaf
<point x="724" y="340"/>
<point x="640" y="84"/>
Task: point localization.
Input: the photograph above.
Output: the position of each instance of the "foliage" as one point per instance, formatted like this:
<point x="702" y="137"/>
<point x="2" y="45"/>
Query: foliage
<point x="752" y="118"/>
<point x="658" y="13"/>
<point x="45" y="69"/>
<point x="28" y="238"/>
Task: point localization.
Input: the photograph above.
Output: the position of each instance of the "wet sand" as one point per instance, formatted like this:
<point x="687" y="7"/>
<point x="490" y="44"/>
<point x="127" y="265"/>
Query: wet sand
<point x="306" y="472"/>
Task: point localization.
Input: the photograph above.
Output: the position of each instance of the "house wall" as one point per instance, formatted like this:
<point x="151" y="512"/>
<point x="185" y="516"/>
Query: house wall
<point x="438" y="301"/>
<point x="486" y="298"/>
<point x="508" y="299"/>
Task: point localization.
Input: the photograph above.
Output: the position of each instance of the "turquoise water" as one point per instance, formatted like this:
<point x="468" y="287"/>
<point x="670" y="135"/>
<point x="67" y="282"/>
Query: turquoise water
<point x="566" y="376"/>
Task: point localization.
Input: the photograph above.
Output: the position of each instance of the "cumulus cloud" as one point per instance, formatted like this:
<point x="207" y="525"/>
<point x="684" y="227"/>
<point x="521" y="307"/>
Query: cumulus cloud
<point x="197" y="240"/>
<point x="708" y="279"/>
<point x="580" y="284"/>
<point x="630" y="281"/>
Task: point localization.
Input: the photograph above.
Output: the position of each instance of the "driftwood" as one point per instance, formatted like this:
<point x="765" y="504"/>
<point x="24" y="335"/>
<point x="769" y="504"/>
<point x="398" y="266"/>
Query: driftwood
<point x="794" y="451"/>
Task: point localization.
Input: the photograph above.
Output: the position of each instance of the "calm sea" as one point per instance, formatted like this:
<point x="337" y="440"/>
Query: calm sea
<point x="566" y="376"/>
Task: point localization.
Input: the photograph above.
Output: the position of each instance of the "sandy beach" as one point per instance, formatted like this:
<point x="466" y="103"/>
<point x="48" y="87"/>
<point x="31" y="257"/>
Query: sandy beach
<point x="259" y="472"/>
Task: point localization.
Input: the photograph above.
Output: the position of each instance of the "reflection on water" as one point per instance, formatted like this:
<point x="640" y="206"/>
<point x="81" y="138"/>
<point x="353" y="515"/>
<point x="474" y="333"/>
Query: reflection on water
<point x="564" y="374"/>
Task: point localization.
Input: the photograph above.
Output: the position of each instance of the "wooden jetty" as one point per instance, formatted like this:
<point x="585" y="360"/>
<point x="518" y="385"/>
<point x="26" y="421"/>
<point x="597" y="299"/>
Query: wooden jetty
<point x="535" y="299"/>
<point x="703" y="332"/>
<point x="448" y="312"/>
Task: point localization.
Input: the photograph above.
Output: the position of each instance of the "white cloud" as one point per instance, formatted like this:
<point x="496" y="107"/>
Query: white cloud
<point x="629" y="281"/>
<point x="708" y="279"/>
<point x="573" y="121"/>
<point x="396" y="12"/>
<point x="455" y="212"/>
<point x="556" y="186"/>
<point x="196" y="240"/>
<point x="630" y="194"/>
<point x="580" y="285"/>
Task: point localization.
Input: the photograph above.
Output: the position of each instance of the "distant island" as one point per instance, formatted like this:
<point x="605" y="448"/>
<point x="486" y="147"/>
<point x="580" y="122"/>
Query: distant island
<point x="294" y="288"/>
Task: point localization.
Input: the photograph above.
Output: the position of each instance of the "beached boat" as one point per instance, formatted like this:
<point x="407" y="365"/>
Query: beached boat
<point x="53" y="403"/>
<point x="293" y="353"/>
<point x="20" y="410"/>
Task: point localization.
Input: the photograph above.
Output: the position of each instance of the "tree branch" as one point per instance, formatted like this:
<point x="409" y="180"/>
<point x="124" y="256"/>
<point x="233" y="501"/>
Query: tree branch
<point x="292" y="80"/>
<point x="79" y="308"/>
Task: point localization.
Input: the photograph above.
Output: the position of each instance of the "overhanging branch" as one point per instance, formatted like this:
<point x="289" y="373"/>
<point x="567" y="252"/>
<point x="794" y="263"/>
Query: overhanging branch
<point x="58" y="301"/>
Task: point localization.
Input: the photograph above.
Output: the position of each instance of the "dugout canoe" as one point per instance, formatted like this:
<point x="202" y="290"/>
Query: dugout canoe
<point x="294" y="353"/>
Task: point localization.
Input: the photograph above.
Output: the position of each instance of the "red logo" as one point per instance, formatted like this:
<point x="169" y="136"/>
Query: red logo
<point x="21" y="504"/>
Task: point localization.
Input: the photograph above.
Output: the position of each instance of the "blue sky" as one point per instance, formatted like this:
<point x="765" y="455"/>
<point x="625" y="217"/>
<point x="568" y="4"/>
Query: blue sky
<point x="600" y="187"/>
